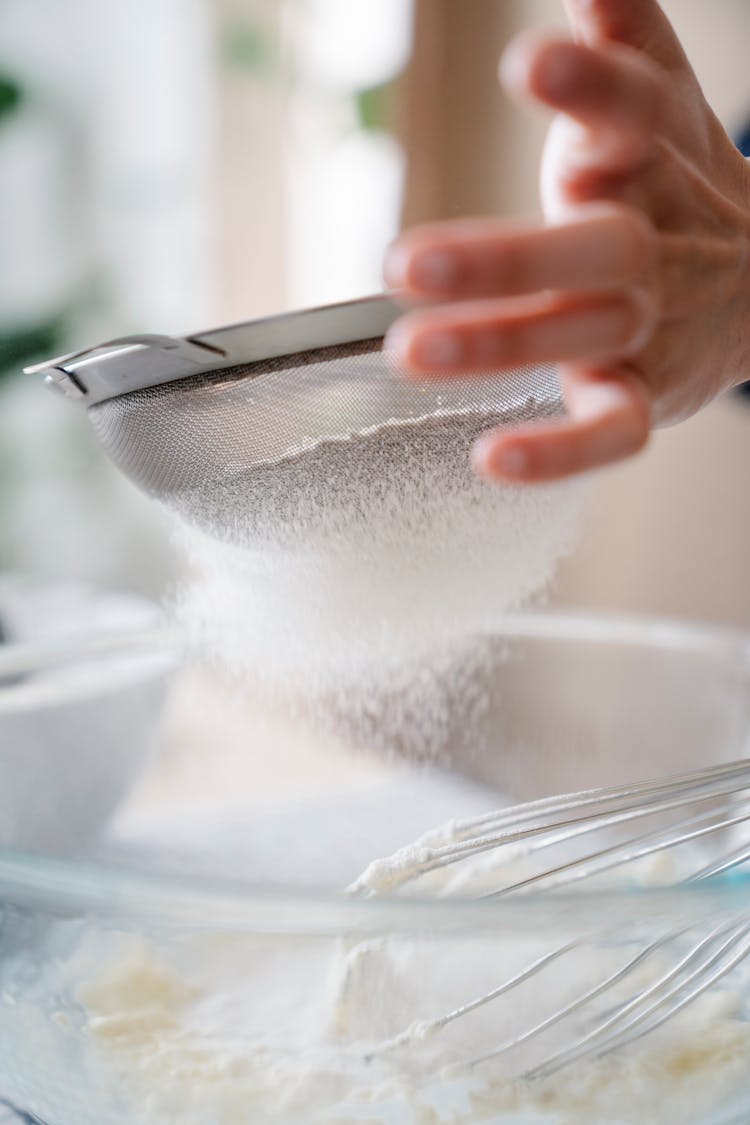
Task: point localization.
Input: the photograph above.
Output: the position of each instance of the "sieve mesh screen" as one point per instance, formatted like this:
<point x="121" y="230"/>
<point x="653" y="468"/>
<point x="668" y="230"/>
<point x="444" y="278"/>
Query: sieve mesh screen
<point x="241" y="433"/>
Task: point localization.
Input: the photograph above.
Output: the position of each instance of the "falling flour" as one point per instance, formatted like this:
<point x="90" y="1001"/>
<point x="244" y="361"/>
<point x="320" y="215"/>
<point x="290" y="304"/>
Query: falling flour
<point x="355" y="580"/>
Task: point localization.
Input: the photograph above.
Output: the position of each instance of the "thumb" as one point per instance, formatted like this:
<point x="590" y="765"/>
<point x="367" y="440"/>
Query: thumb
<point x="638" y="23"/>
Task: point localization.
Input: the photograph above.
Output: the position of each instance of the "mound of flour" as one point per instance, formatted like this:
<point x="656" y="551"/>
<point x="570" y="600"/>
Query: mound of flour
<point x="355" y="579"/>
<point x="235" y="1028"/>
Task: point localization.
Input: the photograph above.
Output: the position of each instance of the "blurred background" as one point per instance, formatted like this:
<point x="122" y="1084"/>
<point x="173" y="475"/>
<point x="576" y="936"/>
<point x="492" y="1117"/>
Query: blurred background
<point x="170" y="165"/>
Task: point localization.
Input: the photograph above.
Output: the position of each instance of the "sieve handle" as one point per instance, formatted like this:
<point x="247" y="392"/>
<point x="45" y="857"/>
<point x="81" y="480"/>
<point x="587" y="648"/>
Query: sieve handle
<point x="134" y="363"/>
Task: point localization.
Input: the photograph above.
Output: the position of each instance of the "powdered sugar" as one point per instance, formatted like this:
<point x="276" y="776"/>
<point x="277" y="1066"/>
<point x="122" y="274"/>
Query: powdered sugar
<point x="355" y="579"/>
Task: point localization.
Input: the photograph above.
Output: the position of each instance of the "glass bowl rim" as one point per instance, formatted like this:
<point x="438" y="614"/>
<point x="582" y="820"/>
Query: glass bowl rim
<point x="74" y="887"/>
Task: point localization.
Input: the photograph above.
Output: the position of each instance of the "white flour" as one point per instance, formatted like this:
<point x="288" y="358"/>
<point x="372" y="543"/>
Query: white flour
<point x="216" y="1028"/>
<point x="204" y="1026"/>
<point x="353" y="579"/>
<point x="273" y="1031"/>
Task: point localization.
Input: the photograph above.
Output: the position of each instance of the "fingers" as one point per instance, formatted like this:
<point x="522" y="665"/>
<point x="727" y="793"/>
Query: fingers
<point x="490" y="336"/>
<point x="638" y="23"/>
<point x="608" y="420"/>
<point x="613" y="95"/>
<point x="614" y="247"/>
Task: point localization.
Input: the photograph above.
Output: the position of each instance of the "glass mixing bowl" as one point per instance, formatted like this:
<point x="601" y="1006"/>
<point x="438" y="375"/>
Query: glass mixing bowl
<point x="203" y="965"/>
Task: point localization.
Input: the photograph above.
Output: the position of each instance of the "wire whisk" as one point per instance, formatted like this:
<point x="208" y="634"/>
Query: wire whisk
<point x="558" y="842"/>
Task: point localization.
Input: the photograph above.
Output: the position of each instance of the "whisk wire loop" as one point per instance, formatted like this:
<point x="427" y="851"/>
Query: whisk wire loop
<point x="691" y="808"/>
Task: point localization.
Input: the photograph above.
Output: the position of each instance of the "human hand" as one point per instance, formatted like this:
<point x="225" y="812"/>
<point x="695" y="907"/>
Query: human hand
<point x="638" y="283"/>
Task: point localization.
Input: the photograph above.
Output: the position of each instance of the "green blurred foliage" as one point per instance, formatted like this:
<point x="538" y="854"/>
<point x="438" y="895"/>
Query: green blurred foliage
<point x="250" y="48"/>
<point x="19" y="346"/>
<point x="374" y="106"/>
<point x="11" y="96"/>
<point x="24" y="345"/>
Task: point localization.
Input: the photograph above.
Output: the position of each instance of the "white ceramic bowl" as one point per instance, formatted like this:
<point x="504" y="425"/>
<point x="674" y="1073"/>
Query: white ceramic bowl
<point x="83" y="678"/>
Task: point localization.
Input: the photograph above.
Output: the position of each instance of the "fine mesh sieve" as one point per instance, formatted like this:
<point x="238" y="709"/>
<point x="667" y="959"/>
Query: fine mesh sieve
<point x="249" y="417"/>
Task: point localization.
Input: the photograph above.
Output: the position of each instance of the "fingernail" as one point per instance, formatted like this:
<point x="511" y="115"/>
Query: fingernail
<point x="438" y="349"/>
<point x="557" y="73"/>
<point x="395" y="266"/>
<point x="645" y="317"/>
<point x="512" y="460"/>
<point x="507" y="460"/>
<point x="435" y="269"/>
<point x="513" y="65"/>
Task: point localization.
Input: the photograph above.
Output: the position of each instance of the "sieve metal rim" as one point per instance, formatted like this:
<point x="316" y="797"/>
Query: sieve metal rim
<point x="132" y="363"/>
